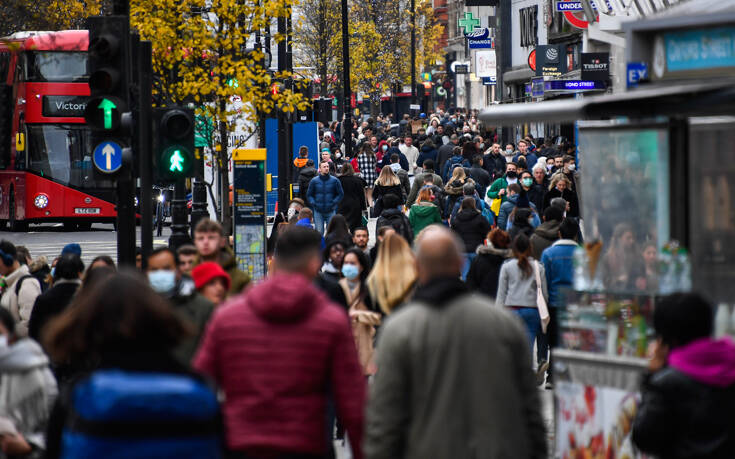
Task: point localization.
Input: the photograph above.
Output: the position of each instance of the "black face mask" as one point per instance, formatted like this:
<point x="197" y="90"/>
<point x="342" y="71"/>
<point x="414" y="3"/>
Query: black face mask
<point x="511" y="174"/>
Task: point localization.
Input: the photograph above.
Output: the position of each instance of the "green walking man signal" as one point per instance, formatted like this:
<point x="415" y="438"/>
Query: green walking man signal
<point x="173" y="157"/>
<point x="177" y="162"/>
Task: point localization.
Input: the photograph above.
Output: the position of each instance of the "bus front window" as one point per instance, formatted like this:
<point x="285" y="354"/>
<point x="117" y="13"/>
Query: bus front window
<point x="59" y="153"/>
<point x="56" y="66"/>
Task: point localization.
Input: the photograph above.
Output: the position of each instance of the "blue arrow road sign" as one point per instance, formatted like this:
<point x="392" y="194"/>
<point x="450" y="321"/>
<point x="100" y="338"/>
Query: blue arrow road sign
<point x="107" y="157"/>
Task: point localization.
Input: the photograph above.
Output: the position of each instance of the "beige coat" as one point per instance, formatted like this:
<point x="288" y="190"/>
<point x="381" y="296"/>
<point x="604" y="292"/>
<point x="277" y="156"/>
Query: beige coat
<point x="363" y="327"/>
<point x="20" y="305"/>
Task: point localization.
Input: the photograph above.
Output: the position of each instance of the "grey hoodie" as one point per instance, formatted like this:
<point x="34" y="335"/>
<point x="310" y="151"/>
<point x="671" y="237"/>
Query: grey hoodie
<point x="27" y="389"/>
<point x="517" y="289"/>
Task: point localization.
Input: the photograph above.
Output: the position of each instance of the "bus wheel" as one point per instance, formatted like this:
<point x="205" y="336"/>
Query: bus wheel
<point x="15" y="225"/>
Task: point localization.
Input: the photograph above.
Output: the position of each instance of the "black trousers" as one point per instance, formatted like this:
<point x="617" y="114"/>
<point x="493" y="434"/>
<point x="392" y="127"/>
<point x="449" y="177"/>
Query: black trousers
<point x="552" y="334"/>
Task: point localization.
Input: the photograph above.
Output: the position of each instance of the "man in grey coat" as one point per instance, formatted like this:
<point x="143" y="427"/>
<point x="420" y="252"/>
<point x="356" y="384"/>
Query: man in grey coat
<point x="454" y="378"/>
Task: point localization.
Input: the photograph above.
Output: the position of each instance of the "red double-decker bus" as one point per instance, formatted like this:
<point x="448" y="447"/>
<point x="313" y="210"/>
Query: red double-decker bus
<point x="45" y="164"/>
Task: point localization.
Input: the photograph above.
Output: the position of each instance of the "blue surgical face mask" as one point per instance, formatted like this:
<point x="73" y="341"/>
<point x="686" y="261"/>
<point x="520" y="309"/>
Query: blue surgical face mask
<point x="162" y="281"/>
<point x="350" y="271"/>
<point x="53" y="270"/>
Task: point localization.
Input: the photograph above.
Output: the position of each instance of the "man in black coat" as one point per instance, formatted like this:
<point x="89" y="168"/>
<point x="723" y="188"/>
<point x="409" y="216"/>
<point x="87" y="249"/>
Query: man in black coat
<point x="307" y="173"/>
<point x="67" y="279"/>
<point x="494" y="162"/>
<point x="479" y="175"/>
<point x="446" y="152"/>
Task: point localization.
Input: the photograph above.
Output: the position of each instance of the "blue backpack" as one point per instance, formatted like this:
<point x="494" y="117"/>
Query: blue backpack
<point x="454" y="161"/>
<point x="121" y="414"/>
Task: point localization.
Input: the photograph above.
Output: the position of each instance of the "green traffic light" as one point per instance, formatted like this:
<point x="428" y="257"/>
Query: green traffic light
<point x="177" y="162"/>
<point x="106" y="106"/>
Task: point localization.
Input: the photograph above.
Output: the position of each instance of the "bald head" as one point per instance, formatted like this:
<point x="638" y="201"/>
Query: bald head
<point x="438" y="253"/>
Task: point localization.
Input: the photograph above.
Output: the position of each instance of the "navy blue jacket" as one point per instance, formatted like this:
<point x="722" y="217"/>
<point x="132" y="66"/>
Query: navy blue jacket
<point x="558" y="263"/>
<point x="451" y="162"/>
<point x="402" y="160"/>
<point x="427" y="153"/>
<point x="325" y="193"/>
<point x="531" y="159"/>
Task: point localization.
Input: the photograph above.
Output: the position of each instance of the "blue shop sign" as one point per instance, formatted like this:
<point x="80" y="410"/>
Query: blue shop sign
<point x="700" y="49"/>
<point x="574" y="85"/>
<point x="488" y="43"/>
<point x="636" y="71"/>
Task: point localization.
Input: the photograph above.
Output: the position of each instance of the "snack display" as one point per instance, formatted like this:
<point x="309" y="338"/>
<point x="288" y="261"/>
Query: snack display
<point x="606" y="324"/>
<point x="595" y="422"/>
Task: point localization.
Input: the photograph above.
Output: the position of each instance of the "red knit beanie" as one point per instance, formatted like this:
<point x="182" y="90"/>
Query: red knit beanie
<point x="205" y="272"/>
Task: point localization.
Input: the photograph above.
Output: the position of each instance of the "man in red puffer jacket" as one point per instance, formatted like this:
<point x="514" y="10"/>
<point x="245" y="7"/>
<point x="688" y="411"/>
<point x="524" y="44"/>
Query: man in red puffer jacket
<point x="279" y="351"/>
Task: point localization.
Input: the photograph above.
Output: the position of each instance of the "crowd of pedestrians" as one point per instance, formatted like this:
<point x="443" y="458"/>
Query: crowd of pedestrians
<point x="419" y="346"/>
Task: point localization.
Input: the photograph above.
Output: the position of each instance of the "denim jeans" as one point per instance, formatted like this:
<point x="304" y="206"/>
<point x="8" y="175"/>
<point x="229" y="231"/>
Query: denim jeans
<point x="469" y="257"/>
<point x="532" y="320"/>
<point x="322" y="220"/>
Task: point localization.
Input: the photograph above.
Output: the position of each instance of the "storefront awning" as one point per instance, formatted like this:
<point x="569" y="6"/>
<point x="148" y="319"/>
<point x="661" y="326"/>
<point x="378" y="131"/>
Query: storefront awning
<point x="690" y="99"/>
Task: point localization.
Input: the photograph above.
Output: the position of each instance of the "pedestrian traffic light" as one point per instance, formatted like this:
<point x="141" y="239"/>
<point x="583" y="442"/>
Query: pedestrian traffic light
<point x="174" y="151"/>
<point x="107" y="112"/>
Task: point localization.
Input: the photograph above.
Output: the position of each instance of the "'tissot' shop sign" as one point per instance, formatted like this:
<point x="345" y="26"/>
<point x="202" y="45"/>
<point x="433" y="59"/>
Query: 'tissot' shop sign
<point x="699" y="51"/>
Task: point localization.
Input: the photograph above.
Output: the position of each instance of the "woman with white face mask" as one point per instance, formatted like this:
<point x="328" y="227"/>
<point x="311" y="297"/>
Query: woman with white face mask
<point x="355" y="267"/>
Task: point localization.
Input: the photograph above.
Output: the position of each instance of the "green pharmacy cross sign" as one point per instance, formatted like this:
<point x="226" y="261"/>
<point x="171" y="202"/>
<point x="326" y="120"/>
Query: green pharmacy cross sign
<point x="468" y="23"/>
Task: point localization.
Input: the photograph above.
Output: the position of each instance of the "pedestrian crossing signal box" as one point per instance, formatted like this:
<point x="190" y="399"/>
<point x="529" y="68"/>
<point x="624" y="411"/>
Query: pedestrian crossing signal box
<point x="173" y="156"/>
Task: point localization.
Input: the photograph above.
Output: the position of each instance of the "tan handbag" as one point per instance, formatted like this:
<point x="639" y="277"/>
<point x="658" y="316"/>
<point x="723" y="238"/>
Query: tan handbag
<point x="543" y="308"/>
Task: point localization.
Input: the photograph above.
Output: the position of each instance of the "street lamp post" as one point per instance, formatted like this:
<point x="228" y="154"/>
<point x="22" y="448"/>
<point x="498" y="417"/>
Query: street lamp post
<point x="347" y="123"/>
<point x="413" y="51"/>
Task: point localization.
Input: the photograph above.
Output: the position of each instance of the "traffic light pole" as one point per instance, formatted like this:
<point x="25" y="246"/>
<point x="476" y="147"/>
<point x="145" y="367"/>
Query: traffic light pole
<point x="347" y="126"/>
<point x="145" y="165"/>
<point x="413" y="51"/>
<point x="179" y="223"/>
<point x="283" y="155"/>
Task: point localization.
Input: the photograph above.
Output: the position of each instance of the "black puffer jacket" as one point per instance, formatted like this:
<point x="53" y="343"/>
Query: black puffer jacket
<point x="471" y="227"/>
<point x="686" y="411"/>
<point x="307" y="173"/>
<point x="485" y="269"/>
<point x="398" y="221"/>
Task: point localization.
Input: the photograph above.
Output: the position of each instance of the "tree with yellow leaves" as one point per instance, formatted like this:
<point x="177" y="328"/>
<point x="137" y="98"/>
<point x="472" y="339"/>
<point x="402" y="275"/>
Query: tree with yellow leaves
<point x="25" y="15"/>
<point x="204" y="54"/>
<point x="318" y="22"/>
<point x="380" y="43"/>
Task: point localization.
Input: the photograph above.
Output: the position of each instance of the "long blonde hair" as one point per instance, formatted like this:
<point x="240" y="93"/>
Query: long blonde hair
<point x="394" y="273"/>
<point x="387" y="177"/>
<point x="458" y="174"/>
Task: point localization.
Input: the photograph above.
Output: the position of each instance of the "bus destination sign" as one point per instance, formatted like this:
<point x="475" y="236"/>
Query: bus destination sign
<point x="64" y="106"/>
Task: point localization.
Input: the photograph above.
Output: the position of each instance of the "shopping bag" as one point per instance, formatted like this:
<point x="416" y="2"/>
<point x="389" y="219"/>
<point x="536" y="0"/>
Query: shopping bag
<point x="495" y="205"/>
<point x="543" y="308"/>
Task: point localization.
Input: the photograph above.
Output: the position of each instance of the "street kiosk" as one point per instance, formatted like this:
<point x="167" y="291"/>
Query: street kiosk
<point x="656" y="191"/>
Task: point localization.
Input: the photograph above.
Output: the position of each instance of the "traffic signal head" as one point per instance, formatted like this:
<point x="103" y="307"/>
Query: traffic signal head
<point x="174" y="153"/>
<point x="109" y="69"/>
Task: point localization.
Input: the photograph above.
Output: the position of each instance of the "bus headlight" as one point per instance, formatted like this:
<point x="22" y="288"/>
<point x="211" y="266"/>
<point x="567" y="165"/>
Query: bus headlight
<point x="41" y="201"/>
